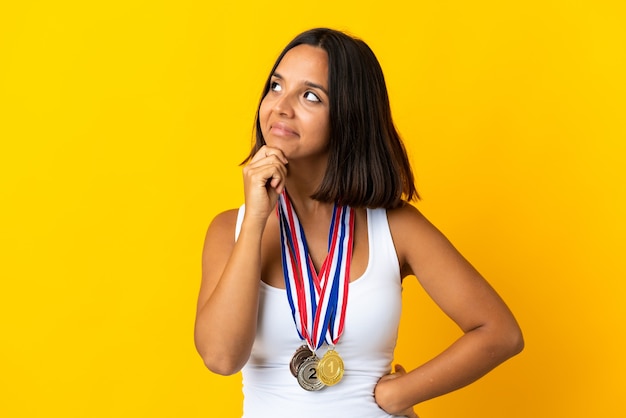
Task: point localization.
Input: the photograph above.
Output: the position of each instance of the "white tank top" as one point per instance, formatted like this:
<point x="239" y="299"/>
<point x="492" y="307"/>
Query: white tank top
<point x="366" y="346"/>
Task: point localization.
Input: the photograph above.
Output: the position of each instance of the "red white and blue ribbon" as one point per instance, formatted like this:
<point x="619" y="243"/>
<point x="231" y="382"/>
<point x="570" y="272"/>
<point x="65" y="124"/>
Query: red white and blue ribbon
<point x="318" y="301"/>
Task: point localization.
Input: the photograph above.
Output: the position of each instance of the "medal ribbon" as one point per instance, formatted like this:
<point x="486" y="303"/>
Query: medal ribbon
<point x="318" y="301"/>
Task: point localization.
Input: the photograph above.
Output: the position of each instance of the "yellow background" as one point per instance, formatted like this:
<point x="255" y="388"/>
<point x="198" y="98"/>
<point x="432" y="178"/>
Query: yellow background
<point x="122" y="124"/>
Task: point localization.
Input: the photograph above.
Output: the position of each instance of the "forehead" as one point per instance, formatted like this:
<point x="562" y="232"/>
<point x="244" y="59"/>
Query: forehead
<point x="305" y="63"/>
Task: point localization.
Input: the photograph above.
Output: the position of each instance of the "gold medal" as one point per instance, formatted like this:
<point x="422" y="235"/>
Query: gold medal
<point x="301" y="354"/>
<point x="330" y="368"/>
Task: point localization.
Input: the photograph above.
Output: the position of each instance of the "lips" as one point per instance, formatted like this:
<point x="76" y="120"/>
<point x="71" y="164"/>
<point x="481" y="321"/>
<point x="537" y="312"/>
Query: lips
<point x="282" y="129"/>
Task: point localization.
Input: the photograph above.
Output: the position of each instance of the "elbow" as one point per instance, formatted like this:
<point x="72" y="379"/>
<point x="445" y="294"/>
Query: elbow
<point x="221" y="362"/>
<point x="517" y="343"/>
<point x="511" y="342"/>
<point x="224" y="368"/>
<point x="502" y="342"/>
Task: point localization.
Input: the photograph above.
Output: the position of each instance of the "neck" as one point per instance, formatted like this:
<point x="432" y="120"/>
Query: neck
<point x="302" y="182"/>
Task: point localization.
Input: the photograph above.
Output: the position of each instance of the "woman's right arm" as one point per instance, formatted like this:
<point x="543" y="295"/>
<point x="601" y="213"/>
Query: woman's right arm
<point x="228" y="299"/>
<point x="227" y="309"/>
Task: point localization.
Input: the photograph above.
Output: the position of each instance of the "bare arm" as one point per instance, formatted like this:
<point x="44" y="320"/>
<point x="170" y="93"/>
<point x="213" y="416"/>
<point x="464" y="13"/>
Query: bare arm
<point x="490" y="332"/>
<point x="227" y="309"/>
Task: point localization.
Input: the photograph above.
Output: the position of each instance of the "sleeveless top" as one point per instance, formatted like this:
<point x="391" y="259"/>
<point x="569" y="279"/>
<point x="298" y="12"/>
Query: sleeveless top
<point x="366" y="346"/>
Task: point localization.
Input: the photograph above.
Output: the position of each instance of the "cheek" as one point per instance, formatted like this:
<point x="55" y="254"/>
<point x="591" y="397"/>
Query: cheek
<point x="324" y="128"/>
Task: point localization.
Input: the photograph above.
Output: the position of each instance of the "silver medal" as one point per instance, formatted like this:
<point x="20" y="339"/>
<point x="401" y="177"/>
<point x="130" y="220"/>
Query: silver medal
<point x="307" y="375"/>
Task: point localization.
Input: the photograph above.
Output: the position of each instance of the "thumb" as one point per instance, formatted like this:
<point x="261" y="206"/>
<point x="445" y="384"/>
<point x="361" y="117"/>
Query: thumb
<point x="399" y="369"/>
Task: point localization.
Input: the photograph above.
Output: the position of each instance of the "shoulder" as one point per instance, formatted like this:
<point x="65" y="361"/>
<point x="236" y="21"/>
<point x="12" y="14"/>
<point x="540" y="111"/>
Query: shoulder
<point x="406" y="216"/>
<point x="413" y="235"/>
<point x="223" y="225"/>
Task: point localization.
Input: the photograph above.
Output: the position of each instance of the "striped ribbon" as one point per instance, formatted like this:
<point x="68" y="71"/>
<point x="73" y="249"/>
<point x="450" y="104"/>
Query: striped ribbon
<point x="318" y="300"/>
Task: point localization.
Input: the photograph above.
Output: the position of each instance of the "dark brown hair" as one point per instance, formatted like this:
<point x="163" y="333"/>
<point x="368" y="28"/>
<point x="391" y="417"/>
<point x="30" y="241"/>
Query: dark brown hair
<point x="367" y="164"/>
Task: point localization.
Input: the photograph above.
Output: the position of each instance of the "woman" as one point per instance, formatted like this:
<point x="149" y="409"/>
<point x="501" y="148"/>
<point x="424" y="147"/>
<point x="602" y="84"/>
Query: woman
<point x="301" y="286"/>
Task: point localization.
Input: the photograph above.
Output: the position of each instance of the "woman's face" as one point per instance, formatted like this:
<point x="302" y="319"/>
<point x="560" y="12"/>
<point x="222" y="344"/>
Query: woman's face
<point x="294" y="114"/>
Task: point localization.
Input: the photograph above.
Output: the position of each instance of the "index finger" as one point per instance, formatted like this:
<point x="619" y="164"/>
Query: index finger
<point x="265" y="152"/>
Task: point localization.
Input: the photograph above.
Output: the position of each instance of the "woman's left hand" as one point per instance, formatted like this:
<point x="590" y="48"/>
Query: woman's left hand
<point x="384" y="387"/>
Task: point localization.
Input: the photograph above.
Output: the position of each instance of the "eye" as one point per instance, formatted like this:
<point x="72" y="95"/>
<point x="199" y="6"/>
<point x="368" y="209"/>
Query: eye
<point x="275" y="86"/>
<point x="312" y="97"/>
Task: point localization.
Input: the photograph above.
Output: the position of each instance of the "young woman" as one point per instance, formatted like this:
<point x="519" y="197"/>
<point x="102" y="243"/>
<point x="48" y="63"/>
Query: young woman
<point x="301" y="286"/>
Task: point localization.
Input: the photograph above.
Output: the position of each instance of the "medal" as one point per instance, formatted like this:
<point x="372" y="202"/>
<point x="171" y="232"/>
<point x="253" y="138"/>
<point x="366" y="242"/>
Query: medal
<point x="301" y="354"/>
<point x="307" y="375"/>
<point x="330" y="368"/>
<point x="317" y="300"/>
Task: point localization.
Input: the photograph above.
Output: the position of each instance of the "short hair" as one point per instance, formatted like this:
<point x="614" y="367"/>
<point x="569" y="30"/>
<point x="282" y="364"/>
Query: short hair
<point x="367" y="164"/>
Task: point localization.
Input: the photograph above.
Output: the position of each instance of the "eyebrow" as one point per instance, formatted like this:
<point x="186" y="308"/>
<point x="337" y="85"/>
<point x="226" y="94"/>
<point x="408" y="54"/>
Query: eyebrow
<point x="306" y="83"/>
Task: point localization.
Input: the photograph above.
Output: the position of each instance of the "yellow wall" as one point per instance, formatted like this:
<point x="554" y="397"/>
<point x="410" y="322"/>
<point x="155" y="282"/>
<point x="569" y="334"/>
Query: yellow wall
<point x="121" y="127"/>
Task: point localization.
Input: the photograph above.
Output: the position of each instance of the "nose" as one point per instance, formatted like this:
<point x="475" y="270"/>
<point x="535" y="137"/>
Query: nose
<point x="284" y="105"/>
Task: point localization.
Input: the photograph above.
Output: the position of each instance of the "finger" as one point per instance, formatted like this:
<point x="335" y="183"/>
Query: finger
<point x="277" y="183"/>
<point x="268" y="152"/>
<point x="260" y="154"/>
<point x="399" y="369"/>
<point x="261" y="160"/>
<point x="276" y="152"/>
<point x="272" y="177"/>
<point x="272" y="174"/>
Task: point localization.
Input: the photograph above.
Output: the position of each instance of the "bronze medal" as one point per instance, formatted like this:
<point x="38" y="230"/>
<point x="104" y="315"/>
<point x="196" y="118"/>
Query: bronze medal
<point x="307" y="375"/>
<point x="330" y="368"/>
<point x="302" y="353"/>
